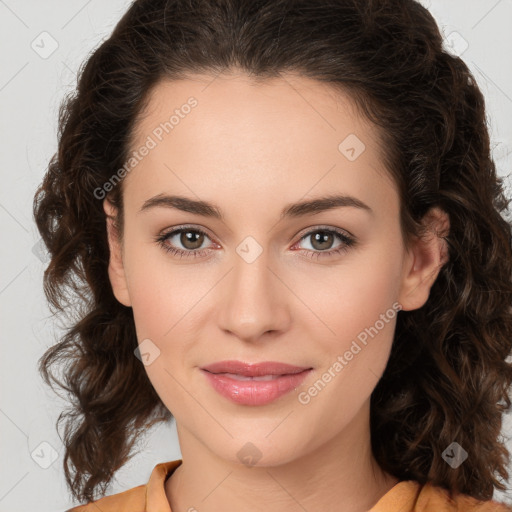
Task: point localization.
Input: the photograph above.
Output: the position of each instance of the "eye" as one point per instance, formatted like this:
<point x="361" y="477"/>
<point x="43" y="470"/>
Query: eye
<point x="322" y="240"/>
<point x="191" y="239"/>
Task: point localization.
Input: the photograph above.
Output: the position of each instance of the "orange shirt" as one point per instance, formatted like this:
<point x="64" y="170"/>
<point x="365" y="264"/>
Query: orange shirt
<point x="405" y="496"/>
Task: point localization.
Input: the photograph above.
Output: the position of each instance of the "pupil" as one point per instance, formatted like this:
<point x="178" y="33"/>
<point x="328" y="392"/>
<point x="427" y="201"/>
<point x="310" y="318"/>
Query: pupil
<point x="188" y="237"/>
<point x="322" y="238"/>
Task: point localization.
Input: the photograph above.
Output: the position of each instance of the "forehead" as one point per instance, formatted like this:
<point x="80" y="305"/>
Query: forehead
<point x="289" y="134"/>
<point x="230" y="96"/>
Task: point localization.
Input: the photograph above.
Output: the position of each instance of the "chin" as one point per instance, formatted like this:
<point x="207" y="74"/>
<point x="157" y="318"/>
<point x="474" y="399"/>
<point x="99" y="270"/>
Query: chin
<point x="257" y="450"/>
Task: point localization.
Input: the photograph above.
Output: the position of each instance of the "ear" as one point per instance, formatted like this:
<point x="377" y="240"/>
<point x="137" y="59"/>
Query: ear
<point x="116" y="270"/>
<point x="424" y="260"/>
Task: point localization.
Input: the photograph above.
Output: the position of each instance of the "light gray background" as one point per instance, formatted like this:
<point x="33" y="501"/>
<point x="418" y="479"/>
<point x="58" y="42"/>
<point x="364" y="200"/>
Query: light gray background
<point x="31" y="89"/>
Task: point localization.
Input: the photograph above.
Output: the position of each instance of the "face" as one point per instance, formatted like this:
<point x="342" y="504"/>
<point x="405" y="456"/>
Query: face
<point x="318" y="288"/>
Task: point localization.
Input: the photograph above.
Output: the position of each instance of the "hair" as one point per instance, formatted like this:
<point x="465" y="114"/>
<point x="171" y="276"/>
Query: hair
<point x="447" y="379"/>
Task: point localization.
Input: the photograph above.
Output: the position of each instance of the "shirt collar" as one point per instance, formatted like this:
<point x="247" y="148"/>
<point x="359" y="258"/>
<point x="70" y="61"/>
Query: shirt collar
<point x="156" y="499"/>
<point x="402" y="496"/>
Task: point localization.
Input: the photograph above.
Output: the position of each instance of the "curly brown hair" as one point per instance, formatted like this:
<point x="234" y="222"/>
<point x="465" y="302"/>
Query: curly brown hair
<point x="447" y="378"/>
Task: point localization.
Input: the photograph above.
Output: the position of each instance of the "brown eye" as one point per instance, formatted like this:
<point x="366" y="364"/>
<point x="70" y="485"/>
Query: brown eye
<point x="184" y="242"/>
<point x="191" y="239"/>
<point x="322" y="240"/>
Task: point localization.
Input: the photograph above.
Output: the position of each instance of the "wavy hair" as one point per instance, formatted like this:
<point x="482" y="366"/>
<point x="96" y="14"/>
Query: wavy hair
<point x="447" y="379"/>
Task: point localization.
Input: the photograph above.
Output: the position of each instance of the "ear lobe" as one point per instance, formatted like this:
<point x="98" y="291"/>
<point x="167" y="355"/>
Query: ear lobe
<point x="424" y="261"/>
<point x="116" y="270"/>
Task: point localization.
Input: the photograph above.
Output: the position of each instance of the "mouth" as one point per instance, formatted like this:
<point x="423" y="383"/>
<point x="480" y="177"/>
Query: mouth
<point x="236" y="376"/>
<point x="257" y="384"/>
<point x="267" y="369"/>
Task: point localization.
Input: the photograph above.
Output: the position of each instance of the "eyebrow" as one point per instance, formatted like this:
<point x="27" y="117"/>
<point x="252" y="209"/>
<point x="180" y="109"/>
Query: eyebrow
<point x="292" y="210"/>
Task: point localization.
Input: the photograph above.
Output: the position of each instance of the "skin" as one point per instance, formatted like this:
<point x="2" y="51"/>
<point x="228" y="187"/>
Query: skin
<point x="253" y="148"/>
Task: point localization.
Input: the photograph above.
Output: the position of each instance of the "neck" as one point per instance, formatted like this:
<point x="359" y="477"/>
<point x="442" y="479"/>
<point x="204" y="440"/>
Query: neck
<point x="340" y="475"/>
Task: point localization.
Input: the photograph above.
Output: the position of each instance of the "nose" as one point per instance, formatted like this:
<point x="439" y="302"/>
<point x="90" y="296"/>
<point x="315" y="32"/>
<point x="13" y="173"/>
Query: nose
<point x="254" y="300"/>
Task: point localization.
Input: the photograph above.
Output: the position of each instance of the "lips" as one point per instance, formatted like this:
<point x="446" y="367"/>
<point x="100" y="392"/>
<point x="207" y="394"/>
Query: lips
<point x="265" y="368"/>
<point x="254" y="384"/>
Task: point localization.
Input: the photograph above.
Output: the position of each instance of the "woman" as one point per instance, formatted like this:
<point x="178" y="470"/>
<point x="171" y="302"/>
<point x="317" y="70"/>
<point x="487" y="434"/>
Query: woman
<point x="286" y="225"/>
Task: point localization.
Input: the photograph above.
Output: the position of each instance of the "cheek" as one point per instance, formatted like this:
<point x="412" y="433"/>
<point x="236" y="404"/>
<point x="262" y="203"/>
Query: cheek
<point x="361" y="316"/>
<point x="149" y="283"/>
<point x="158" y="290"/>
<point x="353" y="297"/>
<point x="359" y="309"/>
<point x="160" y="315"/>
<point x="166" y="300"/>
<point x="373" y="295"/>
<point x="151" y="308"/>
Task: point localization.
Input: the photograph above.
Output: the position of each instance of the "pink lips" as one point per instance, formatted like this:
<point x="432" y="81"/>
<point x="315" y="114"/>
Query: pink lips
<point x="254" y="384"/>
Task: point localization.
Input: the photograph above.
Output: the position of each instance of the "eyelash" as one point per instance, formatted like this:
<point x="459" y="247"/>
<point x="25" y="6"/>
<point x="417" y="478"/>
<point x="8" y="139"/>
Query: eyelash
<point x="348" y="242"/>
